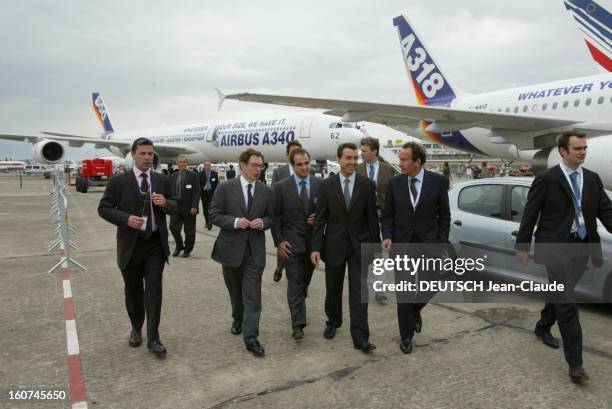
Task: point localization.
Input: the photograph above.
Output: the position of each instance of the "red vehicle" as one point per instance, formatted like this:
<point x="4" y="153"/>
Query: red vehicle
<point x="93" y="172"/>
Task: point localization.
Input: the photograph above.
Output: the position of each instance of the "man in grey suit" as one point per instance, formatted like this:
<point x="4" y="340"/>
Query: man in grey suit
<point x="135" y="201"/>
<point x="279" y="174"/>
<point x="378" y="172"/>
<point x="243" y="209"/>
<point x="185" y="189"/>
<point x="294" y="210"/>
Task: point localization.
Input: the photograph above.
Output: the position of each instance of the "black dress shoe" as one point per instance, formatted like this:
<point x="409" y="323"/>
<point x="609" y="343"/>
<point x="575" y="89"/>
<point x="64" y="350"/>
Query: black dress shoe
<point x="236" y="328"/>
<point x="406" y="345"/>
<point x="578" y="374"/>
<point x="157" y="347"/>
<point x="256" y="348"/>
<point x="135" y="338"/>
<point x="298" y="333"/>
<point x="177" y="252"/>
<point x="365" y="347"/>
<point x="418" y="325"/>
<point x="278" y="274"/>
<point x="547" y="339"/>
<point x="209" y="227"/>
<point x="329" y="332"/>
<point x="186" y="254"/>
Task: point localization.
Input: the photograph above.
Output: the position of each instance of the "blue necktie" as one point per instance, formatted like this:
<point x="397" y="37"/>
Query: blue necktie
<point x="371" y="174"/>
<point x="576" y="196"/>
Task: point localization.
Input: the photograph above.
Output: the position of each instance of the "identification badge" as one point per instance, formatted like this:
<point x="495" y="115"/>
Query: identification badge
<point x="188" y="186"/>
<point x="143" y="227"/>
<point x="212" y="179"/>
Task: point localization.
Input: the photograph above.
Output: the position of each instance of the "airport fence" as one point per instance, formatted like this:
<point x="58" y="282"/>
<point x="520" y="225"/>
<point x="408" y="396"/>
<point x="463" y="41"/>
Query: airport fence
<point x="59" y="212"/>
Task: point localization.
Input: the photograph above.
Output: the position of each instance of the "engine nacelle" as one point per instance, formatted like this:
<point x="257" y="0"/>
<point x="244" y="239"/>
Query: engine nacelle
<point x="47" y="152"/>
<point x="598" y="159"/>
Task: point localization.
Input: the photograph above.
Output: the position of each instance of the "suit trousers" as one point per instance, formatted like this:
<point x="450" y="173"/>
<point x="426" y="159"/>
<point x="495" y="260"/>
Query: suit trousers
<point x="244" y="286"/>
<point x="565" y="312"/>
<point x="143" y="285"/>
<point x="176" y="226"/>
<point x="206" y="197"/>
<point x="299" y="273"/>
<point x="358" y="306"/>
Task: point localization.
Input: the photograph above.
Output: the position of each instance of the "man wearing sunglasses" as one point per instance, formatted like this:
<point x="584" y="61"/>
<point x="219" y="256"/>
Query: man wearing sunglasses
<point x="135" y="201"/>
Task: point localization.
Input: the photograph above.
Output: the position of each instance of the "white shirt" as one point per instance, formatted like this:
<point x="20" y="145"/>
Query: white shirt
<point x="137" y="173"/>
<point x="244" y="184"/>
<point x="351" y="183"/>
<point x="418" y="185"/>
<point x="376" y="167"/>
<point x="567" y="172"/>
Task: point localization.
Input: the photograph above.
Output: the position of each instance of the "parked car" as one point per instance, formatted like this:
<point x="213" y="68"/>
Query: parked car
<point x="485" y="218"/>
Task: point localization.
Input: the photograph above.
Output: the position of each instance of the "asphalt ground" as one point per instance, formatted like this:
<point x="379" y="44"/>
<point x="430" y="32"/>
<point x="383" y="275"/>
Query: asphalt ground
<point x="467" y="356"/>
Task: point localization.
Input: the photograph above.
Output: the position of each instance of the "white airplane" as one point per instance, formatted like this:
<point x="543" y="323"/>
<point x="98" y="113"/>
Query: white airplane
<point x="516" y="124"/>
<point x="216" y="141"/>
<point x="595" y="23"/>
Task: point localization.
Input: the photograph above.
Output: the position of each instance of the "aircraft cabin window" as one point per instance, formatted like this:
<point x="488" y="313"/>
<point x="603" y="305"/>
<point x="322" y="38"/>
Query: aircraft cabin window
<point x="588" y="101"/>
<point x="525" y="108"/>
<point x="600" y="100"/>
<point x="333" y="125"/>
<point x="554" y="105"/>
<point x="576" y="102"/>
<point x="565" y="104"/>
<point x="534" y="108"/>
<point x="515" y="110"/>
<point x="507" y="109"/>
<point x="544" y="106"/>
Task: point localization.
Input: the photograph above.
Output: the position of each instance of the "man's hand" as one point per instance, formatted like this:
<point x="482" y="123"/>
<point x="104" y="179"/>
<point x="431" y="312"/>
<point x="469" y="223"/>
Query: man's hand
<point x="135" y="222"/>
<point x="311" y="219"/>
<point x="386" y="244"/>
<point x="158" y="199"/>
<point x="315" y="257"/>
<point x="243" y="223"/>
<point x="194" y="211"/>
<point x="523" y="257"/>
<point x="256" y="224"/>
<point x="284" y="250"/>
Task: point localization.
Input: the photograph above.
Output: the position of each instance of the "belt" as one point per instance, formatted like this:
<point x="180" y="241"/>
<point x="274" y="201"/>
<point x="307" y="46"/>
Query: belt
<point x="154" y="235"/>
<point x="575" y="236"/>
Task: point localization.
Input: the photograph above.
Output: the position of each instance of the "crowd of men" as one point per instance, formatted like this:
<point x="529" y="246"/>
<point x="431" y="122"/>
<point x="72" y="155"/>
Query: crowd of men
<point x="314" y="220"/>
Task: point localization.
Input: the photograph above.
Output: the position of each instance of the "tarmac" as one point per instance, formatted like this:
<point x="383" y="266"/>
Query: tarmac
<point x="467" y="356"/>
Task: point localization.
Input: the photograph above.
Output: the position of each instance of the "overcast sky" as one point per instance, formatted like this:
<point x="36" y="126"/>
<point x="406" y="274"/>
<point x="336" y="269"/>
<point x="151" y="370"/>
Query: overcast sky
<point x="156" y="63"/>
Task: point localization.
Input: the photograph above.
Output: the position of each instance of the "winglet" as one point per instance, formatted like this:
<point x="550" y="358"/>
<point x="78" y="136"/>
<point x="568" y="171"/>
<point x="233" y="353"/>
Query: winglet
<point x="221" y="97"/>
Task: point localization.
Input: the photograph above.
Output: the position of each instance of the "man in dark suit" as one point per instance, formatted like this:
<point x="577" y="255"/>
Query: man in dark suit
<point x="279" y="174"/>
<point x="416" y="211"/>
<point x="135" y="201"/>
<point x="209" y="179"/>
<point x="346" y="218"/>
<point x="294" y="210"/>
<point x="565" y="202"/>
<point x="378" y="172"/>
<point x="185" y="188"/>
<point x="230" y="173"/>
<point x="243" y="208"/>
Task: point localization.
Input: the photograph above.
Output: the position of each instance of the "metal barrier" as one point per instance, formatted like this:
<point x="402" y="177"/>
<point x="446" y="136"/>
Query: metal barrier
<point x="59" y="211"/>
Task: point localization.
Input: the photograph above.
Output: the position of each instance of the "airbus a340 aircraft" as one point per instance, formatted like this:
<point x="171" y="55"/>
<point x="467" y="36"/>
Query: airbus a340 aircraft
<point x="219" y="142"/>
<point x="517" y="124"/>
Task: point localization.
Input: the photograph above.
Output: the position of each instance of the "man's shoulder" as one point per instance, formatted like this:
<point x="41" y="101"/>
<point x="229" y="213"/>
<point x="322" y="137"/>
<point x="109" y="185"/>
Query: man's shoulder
<point x="361" y="168"/>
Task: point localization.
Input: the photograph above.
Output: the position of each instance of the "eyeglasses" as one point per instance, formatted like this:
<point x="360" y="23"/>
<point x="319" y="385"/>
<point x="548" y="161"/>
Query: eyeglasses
<point x="255" y="165"/>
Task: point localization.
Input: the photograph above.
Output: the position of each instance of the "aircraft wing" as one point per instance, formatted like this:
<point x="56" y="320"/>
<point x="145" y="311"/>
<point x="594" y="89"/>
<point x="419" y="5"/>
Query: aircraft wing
<point x="442" y="119"/>
<point x="164" y="150"/>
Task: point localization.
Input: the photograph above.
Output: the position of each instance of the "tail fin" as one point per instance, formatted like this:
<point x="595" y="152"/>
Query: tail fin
<point x="102" y="113"/>
<point x="595" y="22"/>
<point x="431" y="87"/>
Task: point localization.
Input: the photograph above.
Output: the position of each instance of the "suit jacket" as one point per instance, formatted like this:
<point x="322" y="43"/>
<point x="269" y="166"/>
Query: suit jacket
<point x="550" y="205"/>
<point x="429" y="222"/>
<point x="214" y="180"/>
<point x="280" y="173"/>
<point x="334" y="223"/>
<point x="290" y="214"/>
<point x="227" y="204"/>
<point x="385" y="172"/>
<point x="230" y="174"/>
<point x="122" y="199"/>
<point x="190" y="191"/>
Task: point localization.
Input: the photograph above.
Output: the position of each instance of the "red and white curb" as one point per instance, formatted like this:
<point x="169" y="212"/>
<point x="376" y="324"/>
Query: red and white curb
<point x="76" y="383"/>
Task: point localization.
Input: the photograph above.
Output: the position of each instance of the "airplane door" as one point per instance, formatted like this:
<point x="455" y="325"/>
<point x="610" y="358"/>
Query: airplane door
<point x="211" y="135"/>
<point x="305" y="127"/>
